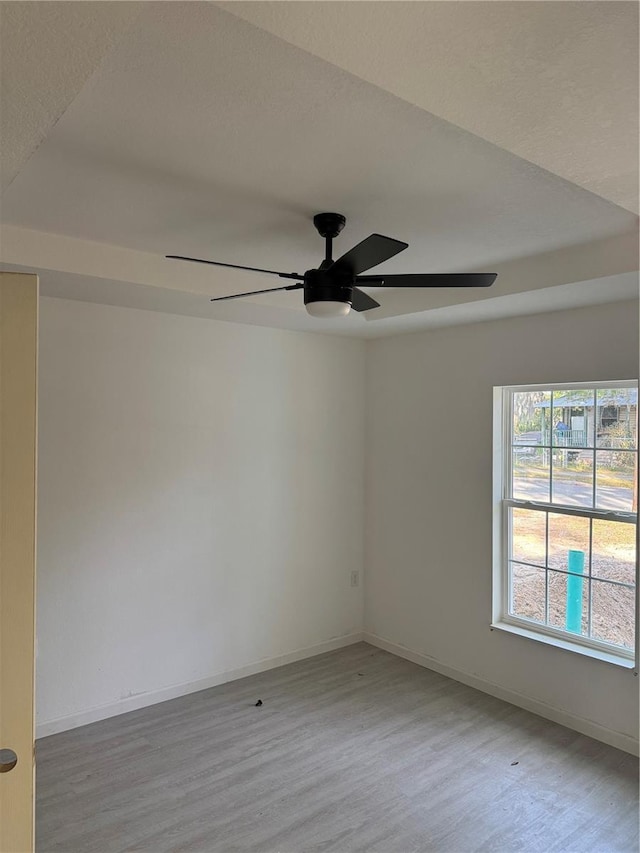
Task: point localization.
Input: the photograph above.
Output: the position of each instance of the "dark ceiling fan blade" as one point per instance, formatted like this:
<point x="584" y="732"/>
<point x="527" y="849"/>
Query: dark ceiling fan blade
<point x="255" y="292"/>
<point x="361" y="301"/>
<point x="369" y="253"/>
<point x="236" y="267"/>
<point x="464" y="279"/>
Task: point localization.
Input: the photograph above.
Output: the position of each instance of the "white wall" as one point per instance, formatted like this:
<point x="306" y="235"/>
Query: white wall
<point x="200" y="502"/>
<point x="429" y="499"/>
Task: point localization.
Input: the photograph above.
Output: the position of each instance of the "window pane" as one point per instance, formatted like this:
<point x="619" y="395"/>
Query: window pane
<point x="615" y="472"/>
<point x="613" y="613"/>
<point x="572" y="478"/>
<point x="614" y="551"/>
<point x="530" y="474"/>
<point x="527" y="592"/>
<point x="531" y="417"/>
<point x="569" y="602"/>
<point x="616" y="418"/>
<point x="567" y="533"/>
<point x="572" y="418"/>
<point x="573" y="448"/>
<point x="528" y="536"/>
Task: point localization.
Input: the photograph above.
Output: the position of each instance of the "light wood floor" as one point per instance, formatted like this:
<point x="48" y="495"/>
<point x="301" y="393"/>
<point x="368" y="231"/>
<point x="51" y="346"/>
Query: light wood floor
<point x="356" y="750"/>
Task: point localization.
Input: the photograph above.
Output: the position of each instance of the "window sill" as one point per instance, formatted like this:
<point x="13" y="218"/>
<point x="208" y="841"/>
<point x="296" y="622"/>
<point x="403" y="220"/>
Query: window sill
<point x="567" y="645"/>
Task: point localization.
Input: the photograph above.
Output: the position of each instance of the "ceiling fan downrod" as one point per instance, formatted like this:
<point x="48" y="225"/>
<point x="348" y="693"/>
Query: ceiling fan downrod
<point x="329" y="226"/>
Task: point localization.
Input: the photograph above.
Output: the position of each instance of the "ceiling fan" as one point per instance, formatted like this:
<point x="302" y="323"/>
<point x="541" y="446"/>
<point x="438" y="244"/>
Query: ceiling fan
<point x="332" y="291"/>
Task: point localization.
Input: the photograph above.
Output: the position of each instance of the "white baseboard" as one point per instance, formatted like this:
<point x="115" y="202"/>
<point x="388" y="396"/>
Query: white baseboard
<point x="557" y="715"/>
<point x="143" y="700"/>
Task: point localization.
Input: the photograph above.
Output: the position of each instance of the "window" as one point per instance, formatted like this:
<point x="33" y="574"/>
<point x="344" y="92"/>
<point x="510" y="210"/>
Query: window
<point x="565" y="516"/>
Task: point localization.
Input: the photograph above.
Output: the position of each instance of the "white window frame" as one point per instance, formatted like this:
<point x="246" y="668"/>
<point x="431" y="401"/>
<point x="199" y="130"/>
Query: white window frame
<point x="502" y="501"/>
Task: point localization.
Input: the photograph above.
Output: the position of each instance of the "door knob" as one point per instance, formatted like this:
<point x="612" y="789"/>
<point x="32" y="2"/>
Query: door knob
<point x="8" y="760"/>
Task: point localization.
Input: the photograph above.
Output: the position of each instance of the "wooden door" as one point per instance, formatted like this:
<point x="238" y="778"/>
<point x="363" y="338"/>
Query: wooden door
<point x="18" y="389"/>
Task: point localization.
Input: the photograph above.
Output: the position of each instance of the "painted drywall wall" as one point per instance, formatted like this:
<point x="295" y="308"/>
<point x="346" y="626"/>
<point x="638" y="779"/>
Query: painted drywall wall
<point x="429" y="498"/>
<point x="200" y="503"/>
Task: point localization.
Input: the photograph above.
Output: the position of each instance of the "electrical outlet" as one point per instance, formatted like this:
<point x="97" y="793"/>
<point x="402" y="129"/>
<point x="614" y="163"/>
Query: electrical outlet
<point x="355" y="578"/>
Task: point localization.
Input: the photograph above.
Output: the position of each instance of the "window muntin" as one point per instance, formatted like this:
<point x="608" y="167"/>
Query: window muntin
<point x="569" y="562"/>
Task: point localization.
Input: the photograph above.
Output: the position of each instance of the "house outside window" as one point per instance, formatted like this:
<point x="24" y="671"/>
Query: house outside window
<point x="565" y="516"/>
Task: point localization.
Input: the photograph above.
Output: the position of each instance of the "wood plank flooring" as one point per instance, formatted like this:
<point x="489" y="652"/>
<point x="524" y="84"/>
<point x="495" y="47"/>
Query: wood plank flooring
<point x="355" y="750"/>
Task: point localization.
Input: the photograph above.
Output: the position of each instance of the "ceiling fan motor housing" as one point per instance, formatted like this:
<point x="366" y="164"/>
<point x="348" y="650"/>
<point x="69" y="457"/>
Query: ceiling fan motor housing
<point x="326" y="286"/>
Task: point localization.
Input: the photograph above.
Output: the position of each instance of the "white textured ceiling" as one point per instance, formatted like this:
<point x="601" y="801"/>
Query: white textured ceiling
<point x="554" y="82"/>
<point x="200" y="133"/>
<point x="47" y="53"/>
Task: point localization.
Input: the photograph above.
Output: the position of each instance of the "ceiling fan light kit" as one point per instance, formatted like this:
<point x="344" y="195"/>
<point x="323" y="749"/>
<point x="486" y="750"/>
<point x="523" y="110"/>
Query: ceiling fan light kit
<point x="328" y="308"/>
<point x="331" y="290"/>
